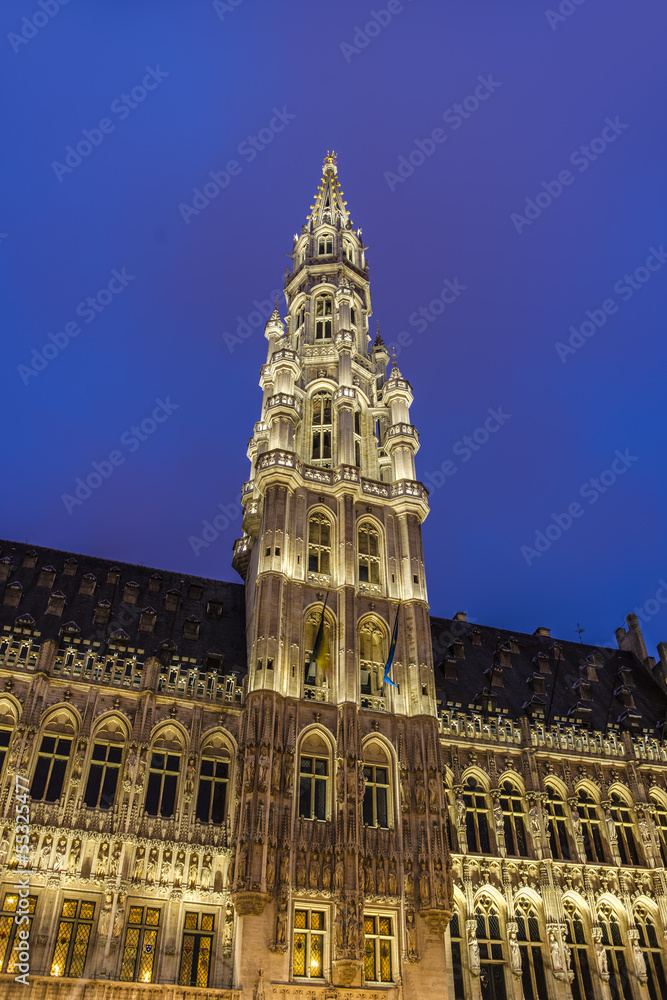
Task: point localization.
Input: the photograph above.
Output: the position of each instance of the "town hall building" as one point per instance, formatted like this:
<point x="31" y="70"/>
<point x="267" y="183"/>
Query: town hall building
<point x="304" y="785"/>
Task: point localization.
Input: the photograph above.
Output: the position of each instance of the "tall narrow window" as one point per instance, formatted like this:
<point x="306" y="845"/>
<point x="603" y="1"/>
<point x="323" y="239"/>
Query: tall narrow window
<point x="317" y="672"/>
<point x="492" y="969"/>
<point x="323" y="317"/>
<point x="660" y="819"/>
<point x="140" y="944"/>
<point x="379" y="935"/>
<point x="47" y="781"/>
<point x="457" y="968"/>
<point x="197" y="947"/>
<point x="560" y="847"/>
<point x="313" y="780"/>
<point x="308" y="945"/>
<point x="619" y="980"/>
<point x="319" y="544"/>
<point x="528" y="934"/>
<point x="103" y="775"/>
<point x="212" y="792"/>
<point x="322" y="426"/>
<point x="74" y="929"/>
<point x="376" y="792"/>
<point x="512" y="806"/>
<point x="325" y="244"/>
<point x="582" y="984"/>
<point x="590" y="826"/>
<point x="652" y="952"/>
<point x="625" y="833"/>
<point x="477" y="824"/>
<point x="162" y="782"/>
<point x="372" y="653"/>
<point x="8" y="930"/>
<point x="368" y="547"/>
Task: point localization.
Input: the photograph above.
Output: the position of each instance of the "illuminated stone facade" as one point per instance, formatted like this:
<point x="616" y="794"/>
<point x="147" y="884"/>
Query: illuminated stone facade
<point x="216" y="812"/>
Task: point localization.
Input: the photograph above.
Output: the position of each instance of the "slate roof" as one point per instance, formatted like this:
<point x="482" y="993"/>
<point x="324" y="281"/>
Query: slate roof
<point x="475" y="665"/>
<point x="220" y="632"/>
<point x="521" y="674"/>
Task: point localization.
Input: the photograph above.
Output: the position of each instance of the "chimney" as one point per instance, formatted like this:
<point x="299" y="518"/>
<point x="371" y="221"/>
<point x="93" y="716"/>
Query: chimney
<point x="461" y="616"/>
<point x="541" y="630"/>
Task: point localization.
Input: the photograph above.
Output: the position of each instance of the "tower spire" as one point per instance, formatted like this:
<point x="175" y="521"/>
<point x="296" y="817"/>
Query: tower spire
<point x="330" y="205"/>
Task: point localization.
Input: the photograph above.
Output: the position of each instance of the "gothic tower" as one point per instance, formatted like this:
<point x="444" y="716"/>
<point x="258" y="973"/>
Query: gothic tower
<point x="332" y="543"/>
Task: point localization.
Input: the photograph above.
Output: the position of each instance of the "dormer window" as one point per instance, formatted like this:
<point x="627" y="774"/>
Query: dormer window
<point x="131" y="593"/>
<point x="147" y="620"/>
<point x="323" y="317"/>
<point x="113" y="576"/>
<point x="47" y="575"/>
<point x="70" y="566"/>
<point x="29" y="559"/>
<point x="191" y="628"/>
<point x="214" y="610"/>
<point x="56" y="604"/>
<point x="13" y="594"/>
<point x="102" y="613"/>
<point x="88" y="584"/>
<point x="172" y="600"/>
<point x="325" y="245"/>
<point x="155" y="583"/>
<point x="195" y="592"/>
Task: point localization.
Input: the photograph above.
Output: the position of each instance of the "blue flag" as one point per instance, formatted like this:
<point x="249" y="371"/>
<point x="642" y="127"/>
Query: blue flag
<point x="392" y="650"/>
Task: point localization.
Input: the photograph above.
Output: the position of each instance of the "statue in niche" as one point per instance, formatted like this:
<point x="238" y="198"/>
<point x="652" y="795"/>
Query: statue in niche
<point x="242" y="863"/>
<point x="461" y="810"/>
<point x="179" y="868"/>
<point x="408" y="880"/>
<point x="284" y="868"/>
<point x="515" y="954"/>
<point x="263" y="776"/>
<point x="275" y="773"/>
<point x="102" y="856"/>
<point x="473" y="951"/>
<point x="339" y="872"/>
<point x="74" y="855"/>
<point x="151" y="866"/>
<point x="433" y="803"/>
<point x="270" y="867"/>
<point x="420" y="794"/>
<point x="301" y="869"/>
<point x="105" y="915"/>
<point x="249" y="771"/>
<point x="381" y="882"/>
<point x="189" y="779"/>
<point x="576" y="823"/>
<point x="115" y="859"/>
<point x="554" y="948"/>
<point x="206" y="871"/>
<point x="228" y="930"/>
<point x="424" y="887"/>
<point x="193" y="871"/>
<point x="46" y="851"/>
<point x="498" y="816"/>
<point x="535" y="825"/>
<point x="405" y="791"/>
<point x="314" y="872"/>
<point x="352" y="930"/>
<point x="281" y="924"/>
<point x="326" y="872"/>
<point x="411" y="935"/>
<point x="393" y="882"/>
<point x="59" y="859"/>
<point x="139" y="864"/>
<point x="119" y="916"/>
<point x="369" y="884"/>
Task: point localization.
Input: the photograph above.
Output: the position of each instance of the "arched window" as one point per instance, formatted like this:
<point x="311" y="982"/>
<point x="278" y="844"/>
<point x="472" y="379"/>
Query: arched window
<point x="165" y="765"/>
<point x="512" y="805"/>
<point x="652" y="952"/>
<point x="368" y="550"/>
<point x="660" y="819"/>
<point x="377" y="773"/>
<point x="325" y="244"/>
<point x="560" y="847"/>
<point x="213" y="781"/>
<point x="314" y="771"/>
<point x="612" y="939"/>
<point x="299" y="323"/>
<point x="590" y="826"/>
<point x="625" y="835"/>
<point x="105" y="760"/>
<point x="582" y="984"/>
<point x="373" y="656"/>
<point x="316" y="673"/>
<point x="323" y="317"/>
<point x="321" y="426"/>
<point x="532" y="963"/>
<point x="492" y="968"/>
<point x="55" y="749"/>
<point x="477" y="822"/>
<point x="319" y="544"/>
